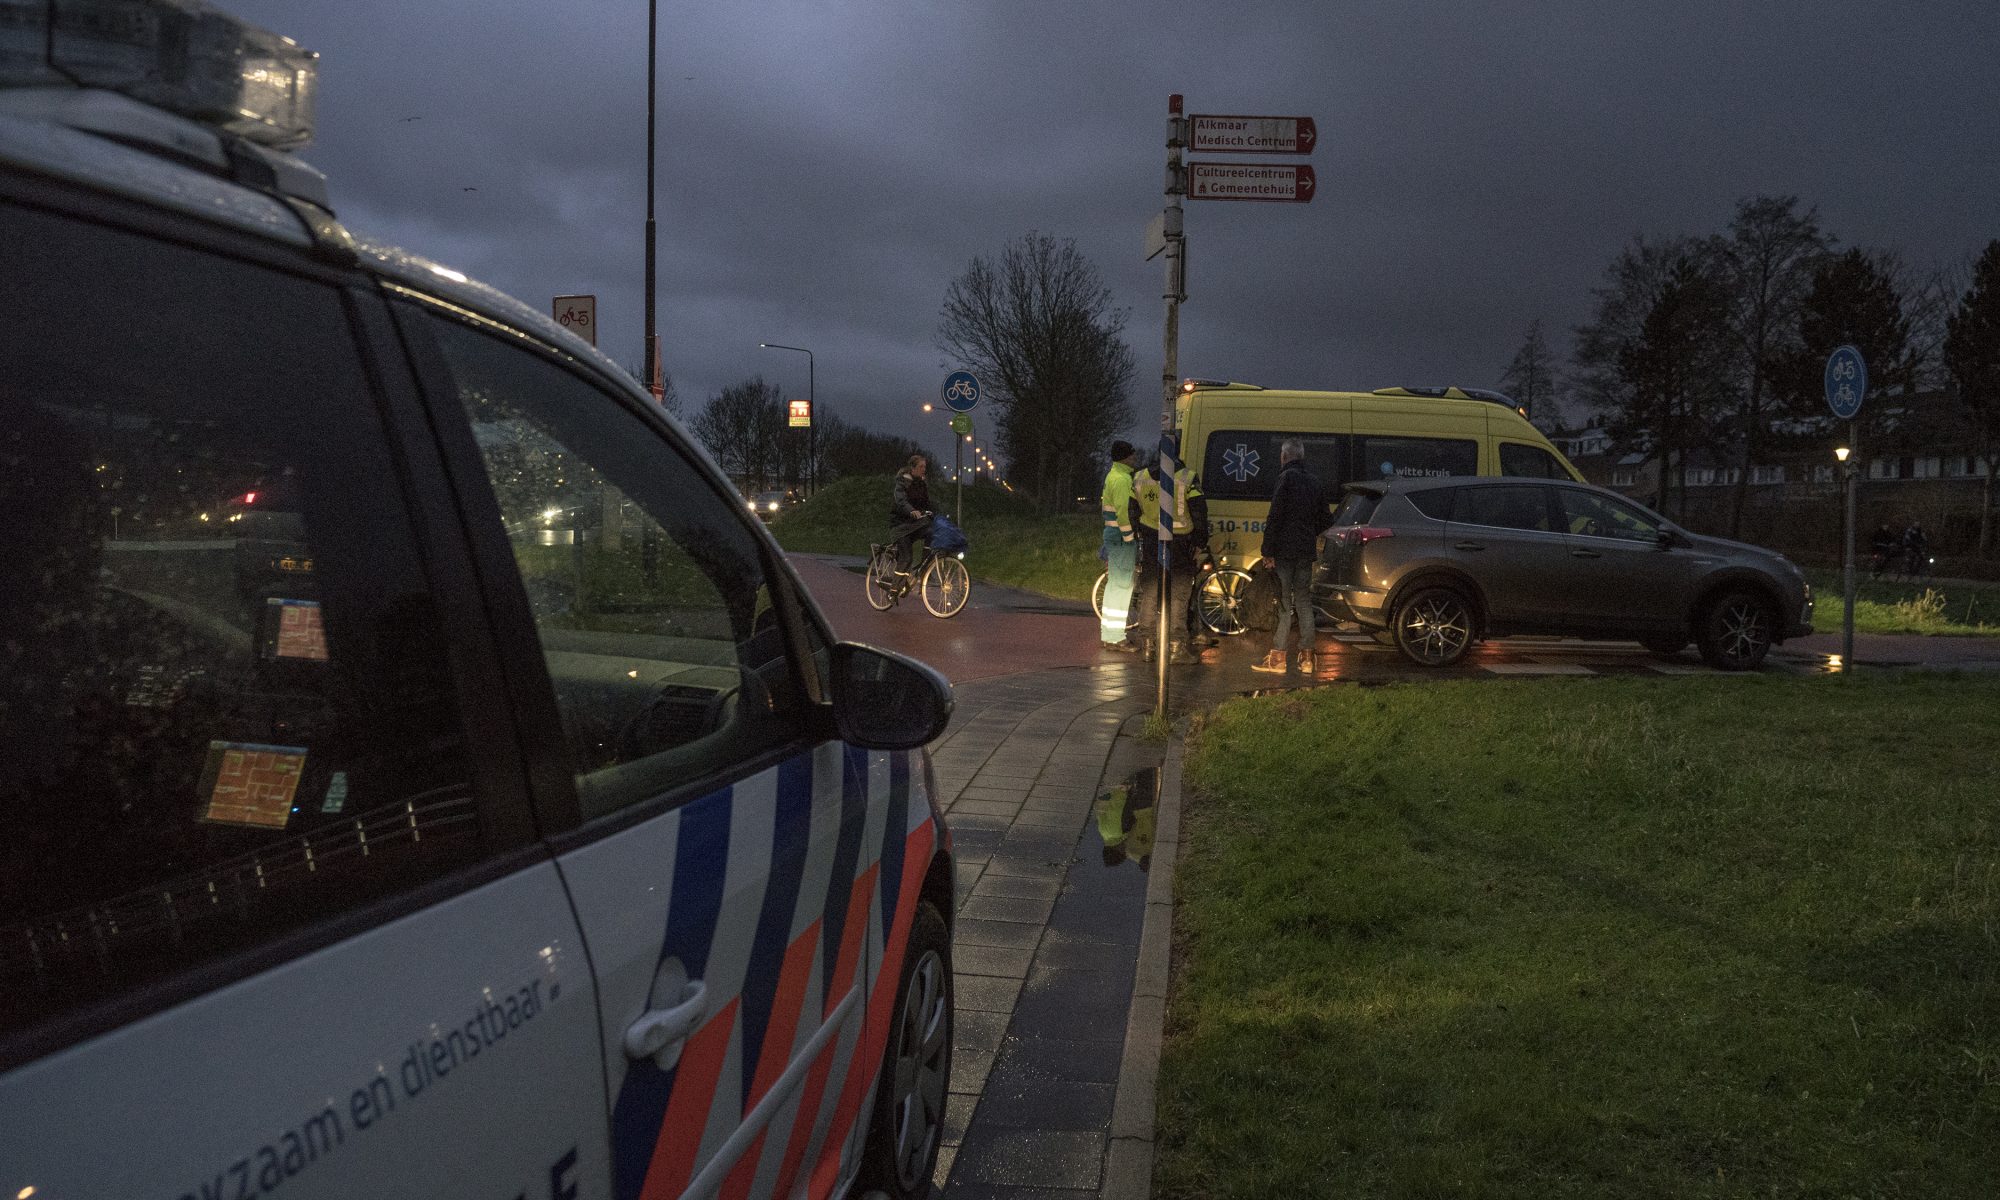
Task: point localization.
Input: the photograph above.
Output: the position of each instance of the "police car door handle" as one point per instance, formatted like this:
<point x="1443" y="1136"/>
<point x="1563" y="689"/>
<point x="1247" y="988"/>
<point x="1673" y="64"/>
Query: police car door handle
<point x="1468" y="546"/>
<point x="659" y="1033"/>
<point x="1581" y="553"/>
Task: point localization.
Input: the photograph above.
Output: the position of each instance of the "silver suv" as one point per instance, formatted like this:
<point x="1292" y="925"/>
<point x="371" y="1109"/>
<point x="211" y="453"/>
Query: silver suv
<point x="1441" y="563"/>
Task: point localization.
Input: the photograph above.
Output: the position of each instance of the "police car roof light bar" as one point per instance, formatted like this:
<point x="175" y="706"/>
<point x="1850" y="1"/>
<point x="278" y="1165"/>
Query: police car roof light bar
<point x="179" y="55"/>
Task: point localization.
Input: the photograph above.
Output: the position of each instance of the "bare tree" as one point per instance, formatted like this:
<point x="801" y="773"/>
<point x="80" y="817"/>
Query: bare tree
<point x="1038" y="328"/>
<point x="1531" y="377"/>
<point x="1972" y="356"/>
<point x="742" y="425"/>
<point x="1767" y="261"/>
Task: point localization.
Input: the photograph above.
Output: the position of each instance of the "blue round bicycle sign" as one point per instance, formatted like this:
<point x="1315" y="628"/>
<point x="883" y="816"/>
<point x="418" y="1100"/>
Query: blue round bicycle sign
<point x="1846" y="382"/>
<point x="961" y="391"/>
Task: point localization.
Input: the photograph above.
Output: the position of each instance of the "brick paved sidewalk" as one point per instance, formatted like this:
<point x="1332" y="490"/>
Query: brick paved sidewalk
<point x="1047" y="935"/>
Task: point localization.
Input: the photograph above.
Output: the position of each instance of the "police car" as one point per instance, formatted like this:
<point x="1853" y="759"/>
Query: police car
<point x="365" y="830"/>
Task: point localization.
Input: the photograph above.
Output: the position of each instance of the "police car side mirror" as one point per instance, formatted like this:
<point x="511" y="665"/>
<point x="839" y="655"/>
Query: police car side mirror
<point x="884" y="701"/>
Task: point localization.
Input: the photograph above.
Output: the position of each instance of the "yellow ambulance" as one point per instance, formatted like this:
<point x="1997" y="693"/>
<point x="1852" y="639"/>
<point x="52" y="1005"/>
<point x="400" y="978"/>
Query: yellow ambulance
<point x="1230" y="434"/>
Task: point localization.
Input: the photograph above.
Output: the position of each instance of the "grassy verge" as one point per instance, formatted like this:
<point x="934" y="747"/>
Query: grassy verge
<point x="1956" y="608"/>
<point x="1012" y="544"/>
<point x="1596" y="938"/>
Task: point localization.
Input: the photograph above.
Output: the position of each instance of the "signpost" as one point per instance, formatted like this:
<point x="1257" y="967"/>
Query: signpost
<point x="1846" y="384"/>
<point x="1282" y="183"/>
<point x="578" y="314"/>
<point x="1271" y="183"/>
<point x="1251" y="135"/>
<point x="800" y="414"/>
<point x="960" y="393"/>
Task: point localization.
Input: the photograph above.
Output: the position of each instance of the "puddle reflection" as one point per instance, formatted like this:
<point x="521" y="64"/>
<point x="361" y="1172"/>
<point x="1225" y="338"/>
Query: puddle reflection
<point x="1125" y="816"/>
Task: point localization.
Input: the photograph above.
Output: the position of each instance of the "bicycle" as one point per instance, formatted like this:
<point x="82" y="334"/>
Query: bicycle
<point x="1219" y="601"/>
<point x="941" y="581"/>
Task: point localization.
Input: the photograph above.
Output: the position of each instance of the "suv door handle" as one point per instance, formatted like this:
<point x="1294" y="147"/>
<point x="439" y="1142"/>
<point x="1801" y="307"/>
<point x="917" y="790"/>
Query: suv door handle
<point x="1585" y="554"/>
<point x="659" y="1032"/>
<point x="1468" y="546"/>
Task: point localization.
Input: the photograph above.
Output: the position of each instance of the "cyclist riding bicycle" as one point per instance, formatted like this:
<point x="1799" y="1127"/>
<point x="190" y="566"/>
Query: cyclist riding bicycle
<point x="909" y="509"/>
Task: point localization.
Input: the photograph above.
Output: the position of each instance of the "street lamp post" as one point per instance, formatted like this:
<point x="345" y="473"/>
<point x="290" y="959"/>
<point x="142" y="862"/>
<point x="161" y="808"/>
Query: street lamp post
<point x="812" y="423"/>
<point x="1850" y="468"/>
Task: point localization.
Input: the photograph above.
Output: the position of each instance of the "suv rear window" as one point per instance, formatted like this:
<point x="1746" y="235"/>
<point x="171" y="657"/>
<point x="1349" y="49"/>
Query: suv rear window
<point x="1434" y="503"/>
<point x="1356" y="508"/>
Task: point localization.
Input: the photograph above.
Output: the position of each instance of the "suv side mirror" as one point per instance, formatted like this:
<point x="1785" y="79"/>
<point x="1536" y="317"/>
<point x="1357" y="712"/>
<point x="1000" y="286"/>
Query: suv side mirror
<point x="884" y="701"/>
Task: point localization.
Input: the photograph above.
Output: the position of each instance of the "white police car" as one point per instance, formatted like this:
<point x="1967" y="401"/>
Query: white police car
<point x="364" y="829"/>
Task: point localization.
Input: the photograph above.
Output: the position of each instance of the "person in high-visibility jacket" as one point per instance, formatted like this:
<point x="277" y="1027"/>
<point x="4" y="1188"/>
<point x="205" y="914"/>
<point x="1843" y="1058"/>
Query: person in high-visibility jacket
<point x="1145" y="513"/>
<point x="1119" y="550"/>
<point x="1189" y="553"/>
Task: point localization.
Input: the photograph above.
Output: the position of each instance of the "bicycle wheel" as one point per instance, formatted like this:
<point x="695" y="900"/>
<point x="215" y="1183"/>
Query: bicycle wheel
<point x="946" y="587"/>
<point x="878" y="581"/>
<point x="1097" y="594"/>
<point x="1220" y="602"/>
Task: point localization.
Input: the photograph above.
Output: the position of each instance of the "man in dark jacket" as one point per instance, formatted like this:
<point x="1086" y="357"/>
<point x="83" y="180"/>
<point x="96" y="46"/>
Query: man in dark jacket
<point x="1298" y="514"/>
<point x="910" y="509"/>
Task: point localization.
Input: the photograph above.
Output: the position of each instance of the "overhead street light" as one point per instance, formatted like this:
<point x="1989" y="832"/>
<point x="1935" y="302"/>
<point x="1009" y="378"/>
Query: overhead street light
<point x="812" y="428"/>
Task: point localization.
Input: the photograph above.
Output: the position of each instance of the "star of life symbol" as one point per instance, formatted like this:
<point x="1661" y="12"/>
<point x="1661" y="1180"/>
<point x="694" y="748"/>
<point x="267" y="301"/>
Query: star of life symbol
<point x="1239" y="463"/>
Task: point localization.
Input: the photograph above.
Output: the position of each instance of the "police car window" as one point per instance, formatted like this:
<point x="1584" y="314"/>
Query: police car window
<point x="1415" y="457"/>
<point x="224" y="709"/>
<point x="1242" y="464"/>
<point x="1591" y="515"/>
<point x="1529" y="462"/>
<point x="648" y="588"/>
<point x="1504" y="507"/>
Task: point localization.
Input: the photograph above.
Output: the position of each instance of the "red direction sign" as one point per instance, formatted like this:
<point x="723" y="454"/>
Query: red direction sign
<point x="1276" y="182"/>
<point x="1251" y="135"/>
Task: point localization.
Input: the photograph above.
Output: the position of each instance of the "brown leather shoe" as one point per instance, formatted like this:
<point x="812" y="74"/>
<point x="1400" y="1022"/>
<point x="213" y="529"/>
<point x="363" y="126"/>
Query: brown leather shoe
<point x="1308" y="662"/>
<point x="1277" y="662"/>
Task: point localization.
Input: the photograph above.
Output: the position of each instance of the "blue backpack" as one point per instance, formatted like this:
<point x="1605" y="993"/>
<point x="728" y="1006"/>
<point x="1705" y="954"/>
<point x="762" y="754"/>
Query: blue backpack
<point x="946" y="537"/>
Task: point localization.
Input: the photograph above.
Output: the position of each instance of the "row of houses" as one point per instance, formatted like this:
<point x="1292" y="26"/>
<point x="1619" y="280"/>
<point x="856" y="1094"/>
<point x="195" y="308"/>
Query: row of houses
<point x="1794" y="498"/>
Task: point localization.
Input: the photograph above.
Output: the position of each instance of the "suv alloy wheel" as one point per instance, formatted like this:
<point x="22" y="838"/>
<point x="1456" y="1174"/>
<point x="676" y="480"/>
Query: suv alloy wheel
<point x="1434" y="627"/>
<point x="1735" y="633"/>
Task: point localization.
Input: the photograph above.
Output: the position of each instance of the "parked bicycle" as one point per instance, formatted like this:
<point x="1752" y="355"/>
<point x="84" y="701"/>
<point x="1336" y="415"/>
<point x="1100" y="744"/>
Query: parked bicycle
<point x="1219" y="600"/>
<point x="938" y="577"/>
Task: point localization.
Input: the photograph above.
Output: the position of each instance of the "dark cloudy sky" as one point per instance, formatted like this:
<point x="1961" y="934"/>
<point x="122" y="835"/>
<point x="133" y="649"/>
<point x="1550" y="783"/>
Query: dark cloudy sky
<point x="826" y="168"/>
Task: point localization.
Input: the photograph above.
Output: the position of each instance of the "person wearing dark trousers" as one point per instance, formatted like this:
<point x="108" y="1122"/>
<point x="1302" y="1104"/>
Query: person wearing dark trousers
<point x="1190" y="553"/>
<point x="910" y="509"/>
<point x="1298" y="514"/>
<point x="1144" y="510"/>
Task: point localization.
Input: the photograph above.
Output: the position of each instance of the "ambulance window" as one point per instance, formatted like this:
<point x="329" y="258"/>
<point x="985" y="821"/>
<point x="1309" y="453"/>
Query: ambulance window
<point x="1529" y="462"/>
<point x="652" y="606"/>
<point x="1242" y="464"/>
<point x="224" y="708"/>
<point x="1416" y="457"/>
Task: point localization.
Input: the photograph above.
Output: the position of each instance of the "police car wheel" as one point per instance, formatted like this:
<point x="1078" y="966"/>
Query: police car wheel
<point x="916" y="1069"/>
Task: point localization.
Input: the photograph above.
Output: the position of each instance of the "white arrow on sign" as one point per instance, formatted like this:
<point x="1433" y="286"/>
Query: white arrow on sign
<point x="1251" y="135"/>
<point x="1277" y="182"/>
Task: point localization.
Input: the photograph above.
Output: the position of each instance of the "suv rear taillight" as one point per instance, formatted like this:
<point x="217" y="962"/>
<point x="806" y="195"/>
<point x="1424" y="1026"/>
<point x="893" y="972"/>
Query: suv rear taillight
<point x="1361" y="535"/>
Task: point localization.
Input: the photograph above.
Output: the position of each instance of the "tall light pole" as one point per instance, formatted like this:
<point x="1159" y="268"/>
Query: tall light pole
<point x="1849" y="470"/>
<point x="650" y="364"/>
<point x="812" y="424"/>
